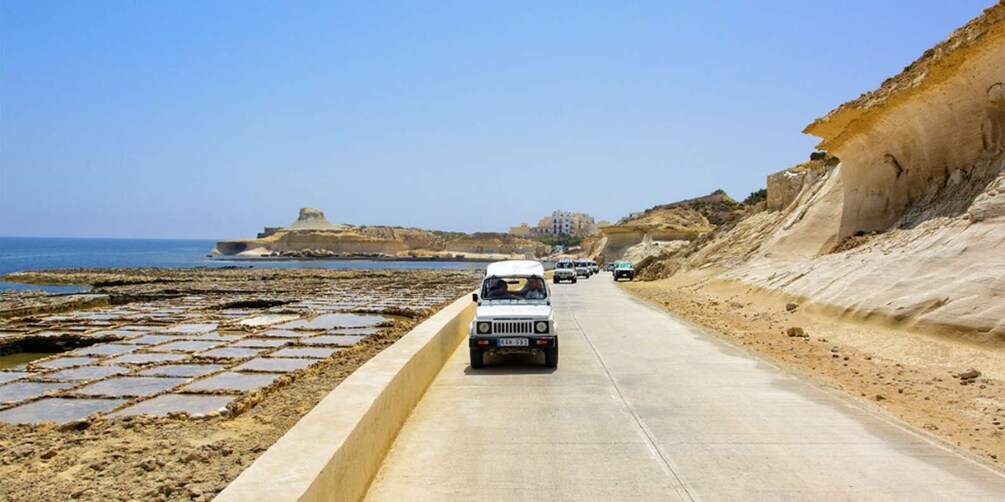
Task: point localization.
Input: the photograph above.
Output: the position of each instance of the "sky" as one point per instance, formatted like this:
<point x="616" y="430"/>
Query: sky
<point x="192" y="119"/>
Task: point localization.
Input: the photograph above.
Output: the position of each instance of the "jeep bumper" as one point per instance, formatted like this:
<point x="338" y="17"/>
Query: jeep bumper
<point x="512" y="342"/>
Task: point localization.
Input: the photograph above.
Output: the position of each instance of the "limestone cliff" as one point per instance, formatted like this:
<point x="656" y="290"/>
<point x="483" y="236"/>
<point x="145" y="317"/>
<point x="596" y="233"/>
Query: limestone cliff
<point x="941" y="118"/>
<point x="663" y="228"/>
<point x="910" y="226"/>
<point x="784" y="186"/>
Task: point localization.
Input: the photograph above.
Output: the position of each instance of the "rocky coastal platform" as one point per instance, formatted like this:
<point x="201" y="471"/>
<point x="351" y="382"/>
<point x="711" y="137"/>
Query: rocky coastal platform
<point x="166" y="383"/>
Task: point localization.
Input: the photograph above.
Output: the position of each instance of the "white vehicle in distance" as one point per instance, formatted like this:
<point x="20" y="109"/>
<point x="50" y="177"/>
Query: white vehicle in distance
<point x="583" y="269"/>
<point x="565" y="270"/>
<point x="514" y="314"/>
<point x="594" y="268"/>
<point x="624" y="269"/>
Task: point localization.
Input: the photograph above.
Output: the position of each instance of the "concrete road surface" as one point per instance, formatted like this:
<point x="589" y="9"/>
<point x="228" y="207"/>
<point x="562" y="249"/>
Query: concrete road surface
<point x="646" y="407"/>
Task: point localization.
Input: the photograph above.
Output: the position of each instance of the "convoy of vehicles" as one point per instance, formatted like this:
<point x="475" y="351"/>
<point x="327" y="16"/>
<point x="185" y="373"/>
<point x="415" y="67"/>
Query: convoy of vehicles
<point x="514" y="313"/>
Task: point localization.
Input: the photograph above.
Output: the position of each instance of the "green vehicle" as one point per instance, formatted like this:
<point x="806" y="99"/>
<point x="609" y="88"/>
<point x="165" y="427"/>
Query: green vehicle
<point x="623" y="269"/>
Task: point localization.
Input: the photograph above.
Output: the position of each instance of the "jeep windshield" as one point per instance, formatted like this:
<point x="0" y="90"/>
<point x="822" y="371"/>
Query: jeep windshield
<point x="564" y="264"/>
<point x="622" y="265"/>
<point x="514" y="289"/>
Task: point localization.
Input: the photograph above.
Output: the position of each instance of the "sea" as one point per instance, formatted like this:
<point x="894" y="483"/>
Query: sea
<point x="43" y="253"/>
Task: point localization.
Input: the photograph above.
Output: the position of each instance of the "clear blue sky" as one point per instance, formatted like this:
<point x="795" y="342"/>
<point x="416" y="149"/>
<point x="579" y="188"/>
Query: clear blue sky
<point x="213" y="119"/>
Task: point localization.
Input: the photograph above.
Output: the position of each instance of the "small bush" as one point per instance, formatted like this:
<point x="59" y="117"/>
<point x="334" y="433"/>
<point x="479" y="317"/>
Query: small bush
<point x="756" y="196"/>
<point x="563" y="240"/>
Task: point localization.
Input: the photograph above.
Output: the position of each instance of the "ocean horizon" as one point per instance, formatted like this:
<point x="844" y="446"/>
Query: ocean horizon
<point x="44" y="253"/>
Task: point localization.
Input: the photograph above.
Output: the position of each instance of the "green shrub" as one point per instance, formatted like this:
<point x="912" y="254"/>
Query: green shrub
<point x="756" y="196"/>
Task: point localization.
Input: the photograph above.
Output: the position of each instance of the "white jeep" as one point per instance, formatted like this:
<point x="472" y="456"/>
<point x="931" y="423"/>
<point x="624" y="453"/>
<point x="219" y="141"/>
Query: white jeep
<point x="565" y="270"/>
<point x="514" y="313"/>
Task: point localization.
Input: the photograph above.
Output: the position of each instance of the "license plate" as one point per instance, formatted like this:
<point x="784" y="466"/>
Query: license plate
<point x="513" y="342"/>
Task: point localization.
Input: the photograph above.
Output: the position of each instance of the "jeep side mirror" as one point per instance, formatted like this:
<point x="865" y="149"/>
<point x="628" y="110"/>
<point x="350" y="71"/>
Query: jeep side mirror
<point x="474" y="297"/>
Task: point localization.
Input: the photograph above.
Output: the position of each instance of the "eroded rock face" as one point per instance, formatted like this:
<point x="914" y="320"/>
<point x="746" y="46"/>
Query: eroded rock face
<point x="664" y="228"/>
<point x="784" y="186"/>
<point x="991" y="204"/>
<point x="636" y="243"/>
<point x="909" y="228"/>
<point x="939" y="122"/>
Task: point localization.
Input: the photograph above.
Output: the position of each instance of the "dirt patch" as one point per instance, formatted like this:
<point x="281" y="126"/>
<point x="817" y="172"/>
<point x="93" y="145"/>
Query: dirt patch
<point x="921" y="380"/>
<point x="854" y="241"/>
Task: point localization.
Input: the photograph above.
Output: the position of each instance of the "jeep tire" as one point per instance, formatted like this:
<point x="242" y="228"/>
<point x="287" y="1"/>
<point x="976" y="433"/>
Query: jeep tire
<point x="477" y="358"/>
<point x="551" y="357"/>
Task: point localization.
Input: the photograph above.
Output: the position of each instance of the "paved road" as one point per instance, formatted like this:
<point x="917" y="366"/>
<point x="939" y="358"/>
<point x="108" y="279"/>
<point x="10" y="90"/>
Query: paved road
<point x="646" y="407"/>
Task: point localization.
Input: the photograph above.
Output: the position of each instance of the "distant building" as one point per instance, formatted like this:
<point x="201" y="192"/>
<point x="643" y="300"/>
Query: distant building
<point x="524" y="230"/>
<point x="544" y="226"/>
<point x="268" y="231"/>
<point x="559" y="223"/>
<point x="569" y="223"/>
<point x="631" y="216"/>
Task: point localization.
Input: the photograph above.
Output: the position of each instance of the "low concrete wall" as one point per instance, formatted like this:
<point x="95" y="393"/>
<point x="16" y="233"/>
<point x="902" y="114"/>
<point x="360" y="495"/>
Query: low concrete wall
<point x="335" y="450"/>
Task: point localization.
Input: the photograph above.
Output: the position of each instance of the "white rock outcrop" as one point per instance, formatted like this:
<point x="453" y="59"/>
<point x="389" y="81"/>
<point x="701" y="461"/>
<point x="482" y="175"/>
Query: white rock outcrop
<point x="910" y="227"/>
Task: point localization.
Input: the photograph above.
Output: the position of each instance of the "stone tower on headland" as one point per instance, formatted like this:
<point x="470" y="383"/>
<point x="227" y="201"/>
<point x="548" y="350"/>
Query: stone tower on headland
<point x="311" y="219"/>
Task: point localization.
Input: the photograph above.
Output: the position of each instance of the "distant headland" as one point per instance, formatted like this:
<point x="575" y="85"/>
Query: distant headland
<point x="312" y="236"/>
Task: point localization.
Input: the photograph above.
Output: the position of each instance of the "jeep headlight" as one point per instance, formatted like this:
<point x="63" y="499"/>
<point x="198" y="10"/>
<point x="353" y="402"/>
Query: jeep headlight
<point x="541" y="327"/>
<point x="484" y="327"/>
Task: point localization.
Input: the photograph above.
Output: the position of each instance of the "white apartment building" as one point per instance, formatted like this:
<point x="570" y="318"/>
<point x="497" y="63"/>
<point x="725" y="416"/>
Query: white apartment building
<point x="568" y="223"/>
<point x="559" y="223"/>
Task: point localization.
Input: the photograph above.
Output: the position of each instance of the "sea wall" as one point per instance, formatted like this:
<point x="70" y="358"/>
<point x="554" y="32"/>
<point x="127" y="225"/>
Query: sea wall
<point x="334" y="451"/>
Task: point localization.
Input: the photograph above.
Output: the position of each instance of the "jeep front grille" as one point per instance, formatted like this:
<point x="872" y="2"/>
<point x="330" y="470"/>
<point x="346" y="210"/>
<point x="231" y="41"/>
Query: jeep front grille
<point x="513" y="327"/>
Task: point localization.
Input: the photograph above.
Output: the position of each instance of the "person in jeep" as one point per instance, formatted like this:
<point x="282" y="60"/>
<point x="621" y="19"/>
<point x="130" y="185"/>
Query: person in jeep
<point x="514" y="315"/>
<point x="498" y="290"/>
<point x="535" y="289"/>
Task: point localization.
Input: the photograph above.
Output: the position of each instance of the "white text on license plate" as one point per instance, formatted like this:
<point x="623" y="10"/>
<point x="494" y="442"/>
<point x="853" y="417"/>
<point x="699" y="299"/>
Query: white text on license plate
<point x="513" y="342"/>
